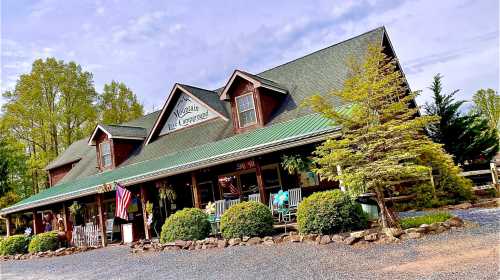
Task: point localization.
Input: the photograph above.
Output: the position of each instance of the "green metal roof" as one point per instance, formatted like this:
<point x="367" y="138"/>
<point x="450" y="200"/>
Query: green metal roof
<point x="76" y="151"/>
<point x="125" y="131"/>
<point x="244" y="145"/>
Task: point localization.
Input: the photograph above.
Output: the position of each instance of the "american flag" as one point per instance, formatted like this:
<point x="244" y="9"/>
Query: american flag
<point x="123" y="197"/>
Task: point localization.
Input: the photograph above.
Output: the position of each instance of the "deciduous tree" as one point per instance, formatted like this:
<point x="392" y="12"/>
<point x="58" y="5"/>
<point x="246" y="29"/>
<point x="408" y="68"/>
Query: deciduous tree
<point x="118" y="104"/>
<point x="487" y="104"/>
<point x="49" y="108"/>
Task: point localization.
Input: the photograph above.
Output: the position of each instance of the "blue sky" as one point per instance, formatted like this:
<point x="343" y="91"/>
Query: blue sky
<point x="150" y="45"/>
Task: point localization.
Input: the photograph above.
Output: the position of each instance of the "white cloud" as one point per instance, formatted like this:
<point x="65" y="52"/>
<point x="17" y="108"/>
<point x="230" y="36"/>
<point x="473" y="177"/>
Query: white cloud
<point x="43" y="7"/>
<point x="152" y="46"/>
<point x="141" y="28"/>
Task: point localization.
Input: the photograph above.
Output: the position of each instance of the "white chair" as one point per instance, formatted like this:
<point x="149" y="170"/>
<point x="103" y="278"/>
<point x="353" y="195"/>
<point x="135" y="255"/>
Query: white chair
<point x="109" y="229"/>
<point x="294" y="198"/>
<point x="220" y="208"/>
<point x="254" y="197"/>
<point x="233" y="202"/>
<point x="272" y="207"/>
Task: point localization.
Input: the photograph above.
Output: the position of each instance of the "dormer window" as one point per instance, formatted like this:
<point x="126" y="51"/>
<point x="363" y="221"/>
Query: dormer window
<point x="246" y="110"/>
<point x="253" y="100"/>
<point x="105" y="149"/>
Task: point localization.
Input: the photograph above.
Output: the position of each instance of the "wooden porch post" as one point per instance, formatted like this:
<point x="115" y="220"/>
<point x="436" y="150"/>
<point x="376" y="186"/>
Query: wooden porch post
<point x="144" y="199"/>
<point x="37" y="225"/>
<point x="8" y="225"/>
<point x="65" y="216"/>
<point x="196" y="190"/>
<point x="260" y="182"/>
<point x="102" y="222"/>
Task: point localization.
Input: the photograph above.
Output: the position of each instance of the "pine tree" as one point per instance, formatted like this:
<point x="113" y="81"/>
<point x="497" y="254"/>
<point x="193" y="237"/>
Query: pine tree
<point x="383" y="136"/>
<point x="467" y="137"/>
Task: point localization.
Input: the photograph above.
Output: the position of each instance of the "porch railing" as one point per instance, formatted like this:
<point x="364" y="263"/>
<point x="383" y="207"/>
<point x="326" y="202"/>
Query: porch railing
<point x="85" y="236"/>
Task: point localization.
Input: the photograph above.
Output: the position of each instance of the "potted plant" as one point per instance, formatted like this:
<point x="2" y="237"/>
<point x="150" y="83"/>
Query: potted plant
<point x="295" y="164"/>
<point x="75" y="210"/>
<point x="210" y="210"/>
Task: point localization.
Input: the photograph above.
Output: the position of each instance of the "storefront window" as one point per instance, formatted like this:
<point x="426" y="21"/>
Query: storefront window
<point x="206" y="192"/>
<point x="248" y="183"/>
<point x="271" y="177"/>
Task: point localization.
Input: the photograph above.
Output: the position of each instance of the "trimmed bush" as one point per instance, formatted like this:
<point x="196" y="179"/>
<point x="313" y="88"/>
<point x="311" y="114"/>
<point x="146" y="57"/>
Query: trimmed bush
<point x="187" y="224"/>
<point x="430" y="218"/>
<point x="248" y="218"/>
<point x="330" y="212"/>
<point x="44" y="242"/>
<point x="15" y="244"/>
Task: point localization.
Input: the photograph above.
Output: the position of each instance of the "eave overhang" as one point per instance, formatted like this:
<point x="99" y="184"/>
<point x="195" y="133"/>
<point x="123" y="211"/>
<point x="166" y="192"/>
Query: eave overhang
<point x="307" y="138"/>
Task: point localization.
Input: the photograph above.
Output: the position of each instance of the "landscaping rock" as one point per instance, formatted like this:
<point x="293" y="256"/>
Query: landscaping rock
<point x="310" y="237"/>
<point x="245" y="238"/>
<point x="234" y="241"/>
<point x="462" y="206"/>
<point x="359" y="234"/>
<point x="267" y="238"/>
<point x="337" y="238"/>
<point x="495" y="202"/>
<point x="254" y="241"/>
<point x="362" y="243"/>
<point x="222" y="243"/>
<point x="414" y="235"/>
<point x="295" y="238"/>
<point x="60" y="250"/>
<point x="408" y="230"/>
<point x="371" y="237"/>
<point x="433" y="226"/>
<point x="350" y="240"/>
<point x="454" y="222"/>
<point x="441" y="229"/>
<point x="325" y="239"/>
<point x="395" y="232"/>
<point x="422" y="228"/>
<point x="279" y="238"/>
<point x="268" y="242"/>
<point x="388" y="239"/>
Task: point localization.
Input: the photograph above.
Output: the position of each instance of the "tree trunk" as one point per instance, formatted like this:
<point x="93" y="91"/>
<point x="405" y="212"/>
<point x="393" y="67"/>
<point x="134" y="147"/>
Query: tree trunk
<point x="387" y="216"/>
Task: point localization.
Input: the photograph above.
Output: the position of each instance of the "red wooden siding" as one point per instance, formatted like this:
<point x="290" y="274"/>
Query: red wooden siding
<point x="56" y="174"/>
<point x="265" y="102"/>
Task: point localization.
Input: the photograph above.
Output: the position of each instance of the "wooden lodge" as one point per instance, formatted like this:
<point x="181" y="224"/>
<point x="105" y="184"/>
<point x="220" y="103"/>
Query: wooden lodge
<point x="202" y="146"/>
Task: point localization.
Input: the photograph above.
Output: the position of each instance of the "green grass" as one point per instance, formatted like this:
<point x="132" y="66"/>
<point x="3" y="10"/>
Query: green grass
<point x="430" y="218"/>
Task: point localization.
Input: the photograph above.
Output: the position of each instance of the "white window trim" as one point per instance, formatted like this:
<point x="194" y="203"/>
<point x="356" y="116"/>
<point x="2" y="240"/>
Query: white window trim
<point x="101" y="155"/>
<point x="238" y="110"/>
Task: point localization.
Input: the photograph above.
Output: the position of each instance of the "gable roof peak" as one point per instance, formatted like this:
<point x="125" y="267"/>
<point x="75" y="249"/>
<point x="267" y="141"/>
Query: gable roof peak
<point x="208" y="98"/>
<point x="256" y="80"/>
<point x="118" y="131"/>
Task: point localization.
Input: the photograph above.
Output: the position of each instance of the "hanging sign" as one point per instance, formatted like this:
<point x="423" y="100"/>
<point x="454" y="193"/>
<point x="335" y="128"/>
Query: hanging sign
<point x="105" y="188"/>
<point x="186" y="112"/>
<point x="245" y="165"/>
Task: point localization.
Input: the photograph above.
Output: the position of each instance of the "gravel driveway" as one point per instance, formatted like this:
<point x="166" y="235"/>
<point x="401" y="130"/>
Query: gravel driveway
<point x="470" y="253"/>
